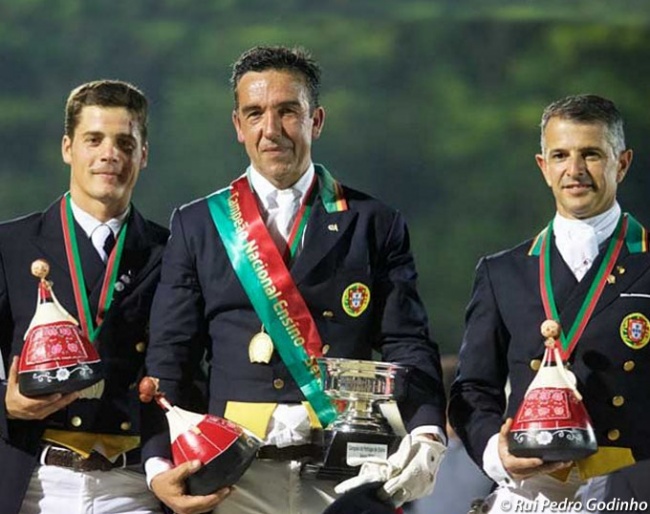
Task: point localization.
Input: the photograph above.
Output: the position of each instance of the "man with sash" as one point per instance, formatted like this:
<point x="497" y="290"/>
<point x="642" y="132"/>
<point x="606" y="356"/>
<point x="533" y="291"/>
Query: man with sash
<point x="589" y="272"/>
<point x="61" y="453"/>
<point x="281" y="267"/>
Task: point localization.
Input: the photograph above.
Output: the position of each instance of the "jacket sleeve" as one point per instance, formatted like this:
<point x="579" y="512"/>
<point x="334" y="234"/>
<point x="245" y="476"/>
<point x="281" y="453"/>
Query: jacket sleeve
<point x="177" y="333"/>
<point x="404" y="332"/>
<point x="5" y="346"/>
<point x="477" y="399"/>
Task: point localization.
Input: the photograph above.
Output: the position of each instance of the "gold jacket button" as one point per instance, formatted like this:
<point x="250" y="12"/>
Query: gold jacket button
<point x="278" y="383"/>
<point x="326" y="348"/>
<point x="125" y="425"/>
<point x="140" y="347"/>
<point x="328" y="314"/>
<point x="617" y="401"/>
<point x="535" y="364"/>
<point x="76" y="421"/>
<point x="613" y="434"/>
<point x="629" y="365"/>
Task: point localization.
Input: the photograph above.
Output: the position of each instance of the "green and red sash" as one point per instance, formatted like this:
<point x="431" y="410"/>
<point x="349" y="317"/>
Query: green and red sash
<point x="628" y="231"/>
<point x="89" y="326"/>
<point x="264" y="275"/>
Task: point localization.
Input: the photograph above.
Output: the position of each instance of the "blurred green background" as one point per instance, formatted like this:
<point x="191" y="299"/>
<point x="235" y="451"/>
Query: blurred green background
<point x="432" y="106"/>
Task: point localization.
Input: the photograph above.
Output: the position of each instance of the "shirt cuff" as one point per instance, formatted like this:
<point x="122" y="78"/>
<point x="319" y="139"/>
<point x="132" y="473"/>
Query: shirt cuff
<point x="154" y="466"/>
<point x="492" y="464"/>
<point x="431" y="429"/>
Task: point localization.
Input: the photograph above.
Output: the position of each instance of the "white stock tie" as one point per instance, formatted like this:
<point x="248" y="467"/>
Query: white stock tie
<point x="98" y="237"/>
<point x="286" y="211"/>
<point x="583" y="249"/>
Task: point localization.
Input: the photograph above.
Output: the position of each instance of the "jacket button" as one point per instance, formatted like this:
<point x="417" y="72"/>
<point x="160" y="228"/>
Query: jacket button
<point x="140" y="347"/>
<point x="326" y="348"/>
<point x="278" y="383"/>
<point x="76" y="421"/>
<point x="629" y="365"/>
<point x="613" y="434"/>
<point x="125" y="425"/>
<point x="535" y="364"/>
<point x="328" y="314"/>
<point x="617" y="401"/>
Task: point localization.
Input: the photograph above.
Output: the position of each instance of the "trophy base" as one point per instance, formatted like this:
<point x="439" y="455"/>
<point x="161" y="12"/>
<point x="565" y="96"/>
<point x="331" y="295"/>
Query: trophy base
<point x="553" y="445"/>
<point x="339" y="446"/>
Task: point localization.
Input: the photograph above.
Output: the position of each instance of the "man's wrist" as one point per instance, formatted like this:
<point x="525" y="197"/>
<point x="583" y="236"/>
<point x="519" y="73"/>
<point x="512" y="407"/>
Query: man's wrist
<point x="433" y="432"/>
<point x="492" y="465"/>
<point x="154" y="466"/>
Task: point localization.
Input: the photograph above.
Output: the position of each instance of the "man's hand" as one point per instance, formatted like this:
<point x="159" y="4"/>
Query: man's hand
<point x="169" y="487"/>
<point x="148" y="389"/>
<point x="408" y="474"/>
<point x="520" y="468"/>
<point x="19" y="406"/>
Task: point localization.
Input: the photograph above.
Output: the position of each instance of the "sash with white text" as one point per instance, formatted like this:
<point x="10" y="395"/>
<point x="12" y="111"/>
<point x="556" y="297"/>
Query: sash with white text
<point x="264" y="276"/>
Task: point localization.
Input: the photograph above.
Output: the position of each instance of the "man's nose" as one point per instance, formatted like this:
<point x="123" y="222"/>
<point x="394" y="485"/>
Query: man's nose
<point x="272" y="125"/>
<point x="110" y="150"/>
<point x="576" y="166"/>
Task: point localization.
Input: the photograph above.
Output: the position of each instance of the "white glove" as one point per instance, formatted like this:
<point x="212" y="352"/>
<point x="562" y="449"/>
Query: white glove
<point x="408" y="474"/>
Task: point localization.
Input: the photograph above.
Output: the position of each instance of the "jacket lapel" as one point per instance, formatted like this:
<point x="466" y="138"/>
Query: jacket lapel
<point x="49" y="238"/>
<point x="565" y="286"/>
<point x="570" y="294"/>
<point x="140" y="256"/>
<point x="323" y="232"/>
<point x="629" y="267"/>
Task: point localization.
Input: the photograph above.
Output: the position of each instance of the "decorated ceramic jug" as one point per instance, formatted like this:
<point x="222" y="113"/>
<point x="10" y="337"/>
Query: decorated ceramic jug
<point x="552" y="422"/>
<point x="225" y="449"/>
<point x="56" y="357"/>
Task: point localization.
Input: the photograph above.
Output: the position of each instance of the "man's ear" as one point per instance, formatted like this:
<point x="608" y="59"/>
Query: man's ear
<point x="237" y="123"/>
<point x="66" y="149"/>
<point x="541" y="164"/>
<point x="318" y="120"/>
<point x="624" y="163"/>
<point x="145" y="156"/>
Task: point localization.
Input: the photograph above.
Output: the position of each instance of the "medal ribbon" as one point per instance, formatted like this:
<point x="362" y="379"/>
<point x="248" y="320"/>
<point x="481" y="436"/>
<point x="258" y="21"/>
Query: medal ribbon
<point x="270" y="287"/>
<point x="299" y="224"/>
<point x="569" y="341"/>
<point x="89" y="326"/>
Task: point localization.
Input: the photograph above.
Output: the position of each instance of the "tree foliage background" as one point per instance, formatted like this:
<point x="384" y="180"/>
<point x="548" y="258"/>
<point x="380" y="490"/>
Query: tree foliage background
<point x="432" y="105"/>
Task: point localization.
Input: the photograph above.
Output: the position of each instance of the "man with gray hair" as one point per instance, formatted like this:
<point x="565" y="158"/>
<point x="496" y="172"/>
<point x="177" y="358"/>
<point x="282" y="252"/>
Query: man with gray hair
<point x="595" y="277"/>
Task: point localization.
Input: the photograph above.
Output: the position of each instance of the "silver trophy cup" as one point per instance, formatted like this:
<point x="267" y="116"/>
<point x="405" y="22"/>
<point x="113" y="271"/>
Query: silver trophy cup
<point x="360" y="430"/>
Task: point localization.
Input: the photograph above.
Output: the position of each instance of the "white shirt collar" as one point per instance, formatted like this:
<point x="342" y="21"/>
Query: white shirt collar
<point x="89" y="223"/>
<point x="603" y="224"/>
<point x="267" y="192"/>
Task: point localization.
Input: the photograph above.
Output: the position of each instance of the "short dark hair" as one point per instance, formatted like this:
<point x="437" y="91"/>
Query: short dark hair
<point x="295" y="60"/>
<point x="588" y="109"/>
<point x="106" y="93"/>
